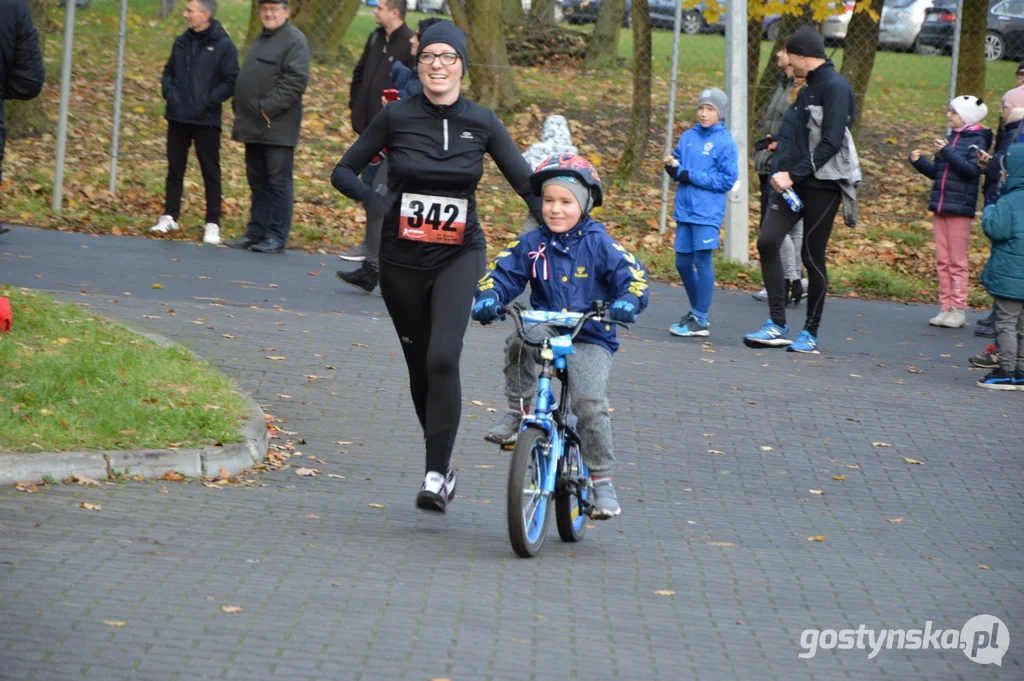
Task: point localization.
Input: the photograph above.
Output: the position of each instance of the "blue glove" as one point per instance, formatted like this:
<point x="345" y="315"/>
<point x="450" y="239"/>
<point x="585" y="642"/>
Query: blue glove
<point x="624" y="310"/>
<point x="486" y="309"/>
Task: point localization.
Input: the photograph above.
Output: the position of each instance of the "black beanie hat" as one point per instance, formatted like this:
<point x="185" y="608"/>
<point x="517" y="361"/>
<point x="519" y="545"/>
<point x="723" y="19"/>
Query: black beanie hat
<point x="806" y="42"/>
<point x="449" y="33"/>
<point x="1020" y="67"/>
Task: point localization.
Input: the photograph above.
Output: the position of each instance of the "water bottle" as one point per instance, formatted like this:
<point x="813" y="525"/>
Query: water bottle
<point x="795" y="204"/>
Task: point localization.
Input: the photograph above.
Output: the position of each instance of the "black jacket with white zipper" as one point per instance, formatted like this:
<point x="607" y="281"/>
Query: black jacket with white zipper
<point x="439" y="151"/>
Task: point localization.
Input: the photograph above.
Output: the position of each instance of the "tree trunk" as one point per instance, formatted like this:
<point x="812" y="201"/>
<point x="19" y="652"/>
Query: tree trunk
<point x="859" y="57"/>
<point x="603" y="46"/>
<point x="324" y="22"/>
<point x="543" y="12"/>
<point x="640" y="125"/>
<point x="491" y="82"/>
<point x="753" y="70"/>
<point x="255" y="26"/>
<point x="970" y="73"/>
<point x="27" y="118"/>
<point x="770" y="77"/>
<point x="512" y="11"/>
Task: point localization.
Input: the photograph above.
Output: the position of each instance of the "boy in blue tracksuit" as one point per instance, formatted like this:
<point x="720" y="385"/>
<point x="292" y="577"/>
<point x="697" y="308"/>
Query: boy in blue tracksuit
<point x="570" y="261"/>
<point x="704" y="164"/>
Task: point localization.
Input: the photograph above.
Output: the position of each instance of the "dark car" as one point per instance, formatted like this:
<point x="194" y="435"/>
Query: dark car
<point x="1004" y="37"/>
<point x="661" y="12"/>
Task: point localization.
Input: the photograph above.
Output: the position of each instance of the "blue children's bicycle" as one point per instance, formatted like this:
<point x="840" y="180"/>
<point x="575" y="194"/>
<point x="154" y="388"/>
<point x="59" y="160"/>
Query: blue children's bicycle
<point x="547" y="461"/>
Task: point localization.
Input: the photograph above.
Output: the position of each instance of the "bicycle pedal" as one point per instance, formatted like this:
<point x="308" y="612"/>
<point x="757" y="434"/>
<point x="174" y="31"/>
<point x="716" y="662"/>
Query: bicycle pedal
<point x="509" y="446"/>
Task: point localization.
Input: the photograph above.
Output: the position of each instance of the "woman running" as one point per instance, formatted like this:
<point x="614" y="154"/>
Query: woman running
<point x="432" y="247"/>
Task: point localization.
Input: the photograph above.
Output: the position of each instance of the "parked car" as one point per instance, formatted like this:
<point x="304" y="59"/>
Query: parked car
<point x="662" y="14"/>
<point x="833" y="29"/>
<point x="901" y="23"/>
<point x="432" y="6"/>
<point x="1004" y="37"/>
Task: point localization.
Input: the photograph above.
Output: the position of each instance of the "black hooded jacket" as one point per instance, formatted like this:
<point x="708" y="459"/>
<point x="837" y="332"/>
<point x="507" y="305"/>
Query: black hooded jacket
<point x="200" y="76"/>
<point x="21" y="63"/>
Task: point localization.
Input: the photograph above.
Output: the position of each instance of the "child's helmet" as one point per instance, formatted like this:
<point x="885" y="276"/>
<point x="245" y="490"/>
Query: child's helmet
<point x="568" y="164"/>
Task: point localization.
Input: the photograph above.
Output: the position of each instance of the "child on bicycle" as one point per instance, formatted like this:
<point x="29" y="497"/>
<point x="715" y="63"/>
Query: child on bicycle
<point x="570" y="261"/>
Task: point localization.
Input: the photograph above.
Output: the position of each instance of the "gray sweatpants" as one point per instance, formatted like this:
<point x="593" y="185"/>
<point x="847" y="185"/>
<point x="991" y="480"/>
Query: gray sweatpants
<point x="1010" y="333"/>
<point x="792" y="265"/>
<point x="589" y="368"/>
<point x="375" y="220"/>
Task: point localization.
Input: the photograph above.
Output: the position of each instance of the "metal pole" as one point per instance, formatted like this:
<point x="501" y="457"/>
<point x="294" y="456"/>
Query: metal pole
<point x="737" y="208"/>
<point x="957" y="26"/>
<point x="116" y="137"/>
<point x="671" y="122"/>
<point x="65" y="93"/>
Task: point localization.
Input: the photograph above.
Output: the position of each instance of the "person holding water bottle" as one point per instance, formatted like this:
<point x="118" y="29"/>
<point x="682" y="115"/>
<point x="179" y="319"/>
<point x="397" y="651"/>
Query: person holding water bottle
<point x="799" y="192"/>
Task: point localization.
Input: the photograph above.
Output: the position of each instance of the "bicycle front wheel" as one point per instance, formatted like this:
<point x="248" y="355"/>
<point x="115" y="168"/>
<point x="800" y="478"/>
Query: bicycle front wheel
<point x="528" y="506"/>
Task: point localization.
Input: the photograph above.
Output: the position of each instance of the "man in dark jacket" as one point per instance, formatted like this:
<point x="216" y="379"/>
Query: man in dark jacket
<point x="389" y="43"/>
<point x="199" y="76"/>
<point x="21" y="63"/>
<point x="830" y="95"/>
<point x="268" y="115"/>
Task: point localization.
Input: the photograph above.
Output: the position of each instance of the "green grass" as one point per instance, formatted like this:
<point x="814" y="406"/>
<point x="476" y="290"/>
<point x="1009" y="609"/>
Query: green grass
<point x="72" y="381"/>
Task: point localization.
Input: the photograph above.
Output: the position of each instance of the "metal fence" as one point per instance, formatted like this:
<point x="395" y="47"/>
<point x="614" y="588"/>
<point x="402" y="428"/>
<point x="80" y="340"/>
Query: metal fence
<point x="542" y="53"/>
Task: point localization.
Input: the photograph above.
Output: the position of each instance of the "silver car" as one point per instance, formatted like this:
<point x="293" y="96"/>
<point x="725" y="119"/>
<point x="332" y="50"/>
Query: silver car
<point x="901" y="23"/>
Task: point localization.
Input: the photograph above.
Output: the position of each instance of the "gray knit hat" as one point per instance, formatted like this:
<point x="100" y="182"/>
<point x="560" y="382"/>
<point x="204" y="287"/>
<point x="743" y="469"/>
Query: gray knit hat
<point x="716" y="99"/>
<point x="578" y="189"/>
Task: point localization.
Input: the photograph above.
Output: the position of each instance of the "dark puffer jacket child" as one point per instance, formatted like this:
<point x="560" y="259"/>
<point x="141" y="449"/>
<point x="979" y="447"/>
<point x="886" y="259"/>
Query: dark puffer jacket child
<point x="955" y="173"/>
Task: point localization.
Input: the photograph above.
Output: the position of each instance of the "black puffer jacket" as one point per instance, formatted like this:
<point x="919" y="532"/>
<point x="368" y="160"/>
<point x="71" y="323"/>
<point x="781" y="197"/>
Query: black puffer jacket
<point x="955" y="172"/>
<point x="200" y="76"/>
<point x="21" y="63"/>
<point x="1007" y="135"/>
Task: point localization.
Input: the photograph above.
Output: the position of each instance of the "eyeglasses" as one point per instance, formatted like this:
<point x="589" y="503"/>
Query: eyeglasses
<point x="447" y="58"/>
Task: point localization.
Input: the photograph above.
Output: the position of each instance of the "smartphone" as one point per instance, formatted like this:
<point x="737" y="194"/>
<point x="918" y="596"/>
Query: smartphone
<point x="390" y="94"/>
<point x="980" y="152"/>
<point x="763" y="143"/>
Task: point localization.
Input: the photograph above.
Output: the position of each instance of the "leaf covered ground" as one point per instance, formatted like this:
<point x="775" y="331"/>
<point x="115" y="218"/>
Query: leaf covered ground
<point x="889" y="254"/>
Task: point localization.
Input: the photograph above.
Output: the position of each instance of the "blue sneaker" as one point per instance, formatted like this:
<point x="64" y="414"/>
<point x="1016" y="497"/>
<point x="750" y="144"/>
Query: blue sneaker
<point x="805" y="342"/>
<point x="1018" y="379"/>
<point x="997" y="379"/>
<point x="771" y="335"/>
<point x="689" y="327"/>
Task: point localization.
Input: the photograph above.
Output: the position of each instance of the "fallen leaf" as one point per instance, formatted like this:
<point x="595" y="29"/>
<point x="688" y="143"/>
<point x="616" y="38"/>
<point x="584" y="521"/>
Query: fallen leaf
<point x="715" y="451"/>
<point x="339" y="477"/>
<point x="765" y="448"/>
<point x="276" y="358"/>
<point x="337" y="584"/>
<point x="231" y="609"/>
<point x="820" y="537"/>
<point x="840" y="478"/>
<point x="315" y="273"/>
<point x="913" y="370"/>
<point x="306" y="472"/>
<point x="314" y="516"/>
<point x="223" y="474"/>
<point x="342" y="442"/>
<point x="172" y="476"/>
<point x="914" y="461"/>
<point x="90" y="507"/>
<point x="849" y="465"/>
<point x="157" y="285"/>
<point x="665" y="592"/>
<point x="492" y="410"/>
<point x="984" y="567"/>
<point x="227" y="335"/>
<point x="880" y="444"/>
<point x="162" y="490"/>
<point x="721" y="543"/>
<point x="478" y="403"/>
<point x="895" y="520"/>
<point x="360" y="345"/>
<point x="377" y="506"/>
<point x="82" y="480"/>
<point x="816" y="491"/>
<point x="751" y="402"/>
<point x="114" y="623"/>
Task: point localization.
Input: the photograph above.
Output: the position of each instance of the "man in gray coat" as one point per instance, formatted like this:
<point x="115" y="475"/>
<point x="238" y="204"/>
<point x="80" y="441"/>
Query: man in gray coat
<point x="268" y="114"/>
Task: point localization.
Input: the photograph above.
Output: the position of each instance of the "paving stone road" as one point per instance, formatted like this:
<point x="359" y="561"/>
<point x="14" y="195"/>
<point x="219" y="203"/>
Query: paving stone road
<point x="333" y="588"/>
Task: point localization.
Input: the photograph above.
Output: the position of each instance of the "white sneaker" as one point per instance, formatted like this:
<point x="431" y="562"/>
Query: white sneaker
<point x="212" y="234"/>
<point x="939" y="319"/>
<point x="165" y="224"/>
<point x="955" y="319"/>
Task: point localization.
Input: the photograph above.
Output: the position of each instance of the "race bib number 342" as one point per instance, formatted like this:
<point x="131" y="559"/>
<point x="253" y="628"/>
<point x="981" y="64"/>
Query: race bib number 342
<point x="433" y="219"/>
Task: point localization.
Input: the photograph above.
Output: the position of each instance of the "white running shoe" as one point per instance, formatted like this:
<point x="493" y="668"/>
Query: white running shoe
<point x="212" y="234"/>
<point x="939" y="319"/>
<point x="165" y="224"/>
<point x="955" y="319"/>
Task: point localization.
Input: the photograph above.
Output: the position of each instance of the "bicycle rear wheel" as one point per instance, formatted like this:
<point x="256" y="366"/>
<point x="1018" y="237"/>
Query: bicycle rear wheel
<point x="527" y="505"/>
<point x="569" y="518"/>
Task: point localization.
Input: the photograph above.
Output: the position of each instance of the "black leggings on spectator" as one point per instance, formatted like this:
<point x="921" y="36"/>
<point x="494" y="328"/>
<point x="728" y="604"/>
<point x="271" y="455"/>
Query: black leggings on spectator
<point x="820" y="207"/>
<point x="430" y="310"/>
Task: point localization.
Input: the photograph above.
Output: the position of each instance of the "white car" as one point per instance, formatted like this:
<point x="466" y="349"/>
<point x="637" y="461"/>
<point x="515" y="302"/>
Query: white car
<point x="901" y="23"/>
<point x="834" y="28"/>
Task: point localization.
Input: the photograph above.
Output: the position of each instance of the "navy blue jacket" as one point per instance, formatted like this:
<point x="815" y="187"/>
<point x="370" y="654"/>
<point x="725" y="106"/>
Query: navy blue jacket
<point x="405" y="80"/>
<point x="567" y="273"/>
<point x="21" y="63"/>
<point x="199" y="76"/>
<point x="955" y="172"/>
<point x="709" y="157"/>
<point x="1007" y="135"/>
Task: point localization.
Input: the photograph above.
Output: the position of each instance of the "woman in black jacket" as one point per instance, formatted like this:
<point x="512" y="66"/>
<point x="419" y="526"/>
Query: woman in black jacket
<point x="432" y="246"/>
<point x="954" y="199"/>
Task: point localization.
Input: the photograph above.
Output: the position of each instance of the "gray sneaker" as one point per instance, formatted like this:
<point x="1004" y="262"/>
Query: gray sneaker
<point x="357" y="254"/>
<point x="606" y="502"/>
<point x="507" y="429"/>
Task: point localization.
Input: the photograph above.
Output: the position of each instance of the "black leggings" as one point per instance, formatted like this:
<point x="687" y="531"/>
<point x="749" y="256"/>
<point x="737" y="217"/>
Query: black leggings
<point x="820" y="207"/>
<point x="430" y="311"/>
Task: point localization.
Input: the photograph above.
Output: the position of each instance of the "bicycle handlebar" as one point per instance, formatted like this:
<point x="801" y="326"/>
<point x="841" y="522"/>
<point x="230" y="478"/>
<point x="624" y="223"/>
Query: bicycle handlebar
<point x="598" y="312"/>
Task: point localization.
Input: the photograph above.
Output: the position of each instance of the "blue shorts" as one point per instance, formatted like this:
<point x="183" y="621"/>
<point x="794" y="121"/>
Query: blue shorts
<point x="690" y="238"/>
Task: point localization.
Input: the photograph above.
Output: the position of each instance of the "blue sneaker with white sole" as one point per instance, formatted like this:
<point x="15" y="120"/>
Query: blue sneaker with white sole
<point x="690" y="327"/>
<point x="771" y="335"/>
<point x="805" y="342"/>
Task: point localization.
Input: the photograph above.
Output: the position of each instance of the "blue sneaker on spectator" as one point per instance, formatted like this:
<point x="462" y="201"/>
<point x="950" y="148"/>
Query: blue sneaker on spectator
<point x="771" y="335"/>
<point x="1018" y="379"/>
<point x="805" y="342"/>
<point x="997" y="379"/>
<point x="690" y="327"/>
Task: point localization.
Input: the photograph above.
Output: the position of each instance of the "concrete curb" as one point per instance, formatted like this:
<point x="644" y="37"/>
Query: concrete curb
<point x="148" y="463"/>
